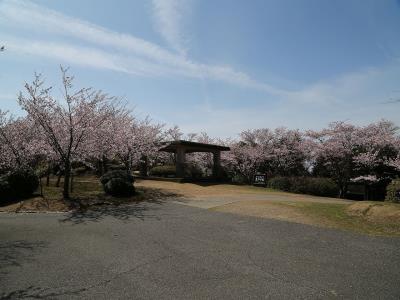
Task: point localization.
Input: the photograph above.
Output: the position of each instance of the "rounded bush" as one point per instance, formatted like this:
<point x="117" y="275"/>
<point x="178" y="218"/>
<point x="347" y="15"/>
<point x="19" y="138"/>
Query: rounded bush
<point x="118" y="183"/>
<point x="22" y="182"/>
<point x="18" y="183"/>
<point x="116" y="174"/>
<point x="163" y="171"/>
<point x="393" y="191"/>
<point x="119" y="187"/>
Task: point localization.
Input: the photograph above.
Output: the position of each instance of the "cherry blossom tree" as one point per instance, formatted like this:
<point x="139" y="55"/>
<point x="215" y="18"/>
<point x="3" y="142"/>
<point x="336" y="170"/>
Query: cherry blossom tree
<point x="174" y="133"/>
<point x="149" y="138"/>
<point x="349" y="153"/>
<point x="288" y="153"/>
<point x="10" y="153"/>
<point x="85" y="125"/>
<point x="136" y="140"/>
<point x="243" y="160"/>
<point x="333" y="152"/>
<point x="277" y="152"/>
<point x="204" y="160"/>
<point x="19" y="142"/>
<point x="65" y="125"/>
<point x="103" y="143"/>
<point x="378" y="150"/>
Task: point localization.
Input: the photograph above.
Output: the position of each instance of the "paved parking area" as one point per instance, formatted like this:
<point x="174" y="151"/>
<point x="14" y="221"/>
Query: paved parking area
<point x="168" y="251"/>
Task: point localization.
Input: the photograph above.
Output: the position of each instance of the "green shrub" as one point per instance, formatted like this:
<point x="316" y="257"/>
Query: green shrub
<point x="118" y="183"/>
<point x="5" y="189"/>
<point x="116" y="174"/>
<point x="80" y="171"/>
<point x="238" y="179"/>
<point x="113" y="167"/>
<point x="317" y="186"/>
<point x="23" y="182"/>
<point x="393" y="191"/>
<point x="163" y="171"/>
<point x="18" y="183"/>
<point x="193" y="171"/>
<point x="279" y="183"/>
<point x="119" y="187"/>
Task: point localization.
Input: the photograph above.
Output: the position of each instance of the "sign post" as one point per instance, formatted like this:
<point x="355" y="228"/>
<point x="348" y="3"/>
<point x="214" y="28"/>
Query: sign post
<point x="260" y="179"/>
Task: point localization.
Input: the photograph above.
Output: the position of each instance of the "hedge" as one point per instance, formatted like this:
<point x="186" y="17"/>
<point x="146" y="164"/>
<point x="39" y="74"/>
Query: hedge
<point x="393" y="191"/>
<point x="318" y="186"/>
<point x="163" y="171"/>
<point x="170" y="171"/>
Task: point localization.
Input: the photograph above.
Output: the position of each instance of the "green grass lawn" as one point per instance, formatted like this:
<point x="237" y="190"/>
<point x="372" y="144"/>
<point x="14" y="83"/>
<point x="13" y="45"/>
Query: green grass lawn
<point x="375" y="218"/>
<point x="339" y="216"/>
<point x="87" y="191"/>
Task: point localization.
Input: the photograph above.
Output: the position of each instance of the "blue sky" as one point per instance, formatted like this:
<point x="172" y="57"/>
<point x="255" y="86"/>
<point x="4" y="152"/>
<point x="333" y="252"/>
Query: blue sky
<point x="216" y="66"/>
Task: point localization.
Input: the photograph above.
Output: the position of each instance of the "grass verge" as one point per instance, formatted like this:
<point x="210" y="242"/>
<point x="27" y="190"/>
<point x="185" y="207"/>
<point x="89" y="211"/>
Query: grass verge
<point x="87" y="191"/>
<point x="373" y="218"/>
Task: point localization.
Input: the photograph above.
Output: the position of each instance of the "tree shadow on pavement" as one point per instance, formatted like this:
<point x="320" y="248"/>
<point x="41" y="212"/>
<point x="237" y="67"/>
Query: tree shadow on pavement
<point x="141" y="206"/>
<point x="16" y="253"/>
<point x="33" y="292"/>
<point x="124" y="212"/>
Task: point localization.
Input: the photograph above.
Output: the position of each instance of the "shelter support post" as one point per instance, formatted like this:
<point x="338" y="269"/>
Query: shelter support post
<point x="217" y="164"/>
<point x="180" y="162"/>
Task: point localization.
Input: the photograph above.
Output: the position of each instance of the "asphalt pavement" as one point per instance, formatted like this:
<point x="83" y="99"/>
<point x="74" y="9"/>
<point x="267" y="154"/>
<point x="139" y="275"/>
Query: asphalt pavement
<point x="165" y="250"/>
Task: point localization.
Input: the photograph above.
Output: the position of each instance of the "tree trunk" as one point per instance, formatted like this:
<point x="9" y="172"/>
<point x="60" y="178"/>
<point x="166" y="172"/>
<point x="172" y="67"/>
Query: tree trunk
<point x="127" y="166"/>
<point x="342" y="191"/>
<point x="48" y="175"/>
<point x="41" y="186"/>
<point x="67" y="175"/>
<point x="72" y="182"/>
<point x="366" y="192"/>
<point x="101" y="167"/>
<point x="58" y="179"/>
<point x="143" y="166"/>
<point x="104" y="164"/>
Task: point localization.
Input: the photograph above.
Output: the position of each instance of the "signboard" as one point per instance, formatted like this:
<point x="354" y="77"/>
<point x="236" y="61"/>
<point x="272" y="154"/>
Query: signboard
<point x="260" y="179"/>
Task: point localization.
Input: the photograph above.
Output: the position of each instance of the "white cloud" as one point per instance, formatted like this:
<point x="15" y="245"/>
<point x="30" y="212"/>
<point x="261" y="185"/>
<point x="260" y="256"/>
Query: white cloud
<point x="168" y="17"/>
<point x="118" y="51"/>
<point x="357" y="97"/>
<point x="84" y="56"/>
<point x="370" y="85"/>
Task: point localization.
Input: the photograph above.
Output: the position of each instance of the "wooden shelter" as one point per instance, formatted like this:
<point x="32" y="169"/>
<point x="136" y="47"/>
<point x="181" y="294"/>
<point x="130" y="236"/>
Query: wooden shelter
<point x="181" y="147"/>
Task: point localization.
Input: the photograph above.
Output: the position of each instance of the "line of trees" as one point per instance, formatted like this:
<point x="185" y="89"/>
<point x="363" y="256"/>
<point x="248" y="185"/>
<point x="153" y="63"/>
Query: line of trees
<point x="343" y="152"/>
<point x="90" y="127"/>
<point x="83" y="125"/>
